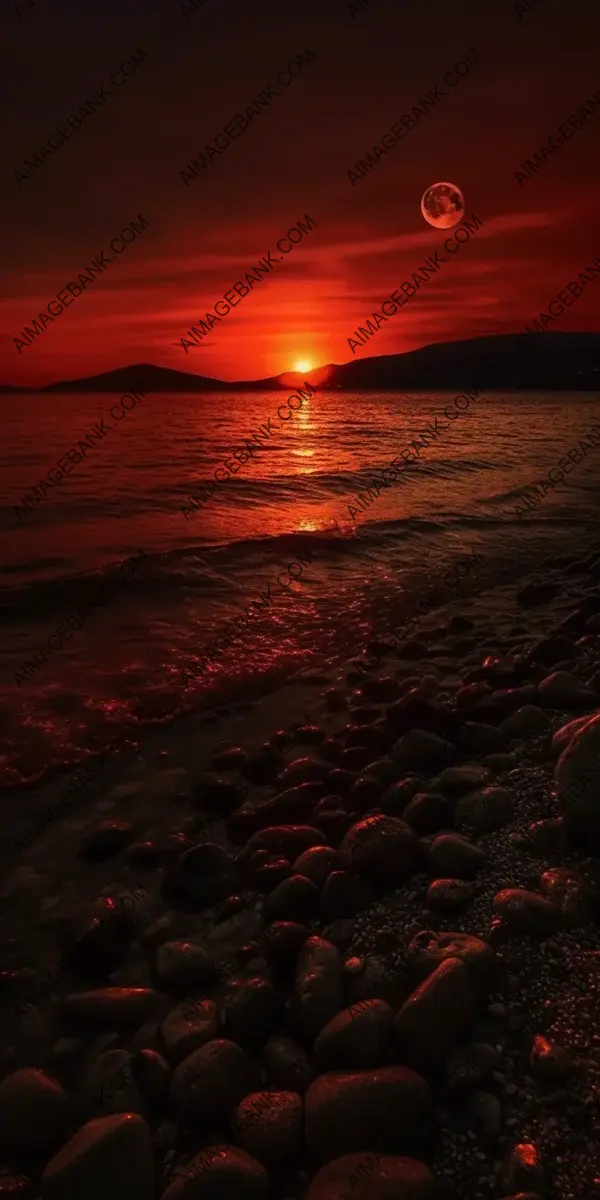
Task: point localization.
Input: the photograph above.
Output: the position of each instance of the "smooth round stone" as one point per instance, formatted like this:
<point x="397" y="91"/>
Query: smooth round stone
<point x="223" y="1171"/>
<point x="371" y="1107"/>
<point x="486" y="810"/>
<point x="110" y="1086"/>
<point x="187" y="1027"/>
<point x="382" y="846"/>
<point x="577" y="778"/>
<point x="231" y="756"/>
<point x="182" y="966"/>
<point x="437" y="1015"/>
<point x="251" y="1009"/>
<point x="427" y="949"/>
<point x="34" y="1111"/>
<point x="218" y="795"/>
<point x="421" y="750"/>
<point x="454" y="857"/>
<point x="108" y="1157"/>
<point x="211" y="1081"/>
<point x="203" y="875"/>
<point x="358" y="1037"/>
<point x="371" y="1176"/>
<point x="318" y="989"/>
<point x="294" y="899"/>
<point x="527" y="722"/>
<point x="563" y="690"/>
<point x="527" y="912"/>
<point x="113" y="1005"/>
<point x="316" y="863"/>
<point x="344" y="895"/>
<point x="449" y="895"/>
<point x="455" y="781"/>
<point x="428" y="812"/>
<point x="269" y="1125"/>
<point x="302" y="770"/>
<point x="287" y="1064"/>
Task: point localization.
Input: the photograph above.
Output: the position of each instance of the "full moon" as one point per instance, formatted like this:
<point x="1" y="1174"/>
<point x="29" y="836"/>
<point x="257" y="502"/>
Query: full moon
<point x="443" y="205"/>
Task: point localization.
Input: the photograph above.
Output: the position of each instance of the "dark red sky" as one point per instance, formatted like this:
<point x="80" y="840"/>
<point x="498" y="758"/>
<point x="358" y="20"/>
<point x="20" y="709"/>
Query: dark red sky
<point x="294" y="159"/>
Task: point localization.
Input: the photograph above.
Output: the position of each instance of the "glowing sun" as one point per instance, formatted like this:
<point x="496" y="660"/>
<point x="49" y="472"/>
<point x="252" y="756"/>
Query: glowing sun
<point x="303" y="365"/>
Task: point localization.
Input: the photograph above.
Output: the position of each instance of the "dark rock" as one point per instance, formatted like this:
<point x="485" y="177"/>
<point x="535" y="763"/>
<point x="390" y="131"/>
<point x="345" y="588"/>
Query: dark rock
<point x="203" y="875"/>
<point x="422" y="750"/>
<point x="287" y="1064"/>
<point x="427" y="949"/>
<point x="182" y="966"/>
<point x="549" y="1061"/>
<point x="565" y="887"/>
<point x="252" y="1009"/>
<point x="287" y="841"/>
<point x="550" y="650"/>
<point x="412" y="712"/>
<point x="106" y="840"/>
<point x="232" y="756"/>
<point x="317" y="862"/>
<point x="110" y="1156"/>
<point x="455" y="781"/>
<point x="436" y="1015"/>
<point x="110" y="1086"/>
<point x="95" y="941"/>
<point x="485" y="810"/>
<point x="266" y="871"/>
<point x="211" y="1081"/>
<point x="262" y="767"/>
<point x="382" y="690"/>
<point x="452" y="856"/>
<point x="358" y="1037"/>
<point x="269" y="1125"/>
<point x="382" y="847"/>
<point x="295" y="899"/>
<point x="302" y="770"/>
<point x="318" y="990"/>
<point x="477" y="738"/>
<point x="522" y="1170"/>
<point x="365" y="793"/>
<point x="152" y="1074"/>
<point x="282" y="943"/>
<point x="396" y="798"/>
<point x="376" y="1108"/>
<point x="449" y="895"/>
<point x="16" y="1187"/>
<point x="368" y="1176"/>
<point x="35" y="1112"/>
<point x="340" y="781"/>
<point x="428" y="812"/>
<point x="534" y="594"/>
<point x="113" y="1005"/>
<point x="527" y="912"/>
<point x="345" y="894"/>
<point x="218" y="795"/>
<point x="225" y="1171"/>
<point x="470" y="1064"/>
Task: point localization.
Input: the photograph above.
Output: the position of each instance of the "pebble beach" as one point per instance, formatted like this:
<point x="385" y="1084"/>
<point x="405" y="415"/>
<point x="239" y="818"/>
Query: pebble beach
<point x="339" y="941"/>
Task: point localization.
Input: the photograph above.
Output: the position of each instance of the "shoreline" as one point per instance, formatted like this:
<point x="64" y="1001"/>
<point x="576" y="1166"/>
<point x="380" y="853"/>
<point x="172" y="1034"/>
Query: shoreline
<point x="155" y="795"/>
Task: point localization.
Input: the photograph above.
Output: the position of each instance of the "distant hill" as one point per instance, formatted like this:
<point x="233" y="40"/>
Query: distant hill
<point x="548" y="362"/>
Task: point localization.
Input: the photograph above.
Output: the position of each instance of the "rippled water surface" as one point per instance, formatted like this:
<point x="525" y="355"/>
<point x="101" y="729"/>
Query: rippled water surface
<point x="293" y="500"/>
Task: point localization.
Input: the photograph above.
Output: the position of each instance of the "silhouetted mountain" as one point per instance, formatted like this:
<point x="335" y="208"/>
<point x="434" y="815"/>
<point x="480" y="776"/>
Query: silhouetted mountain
<point x="545" y="361"/>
